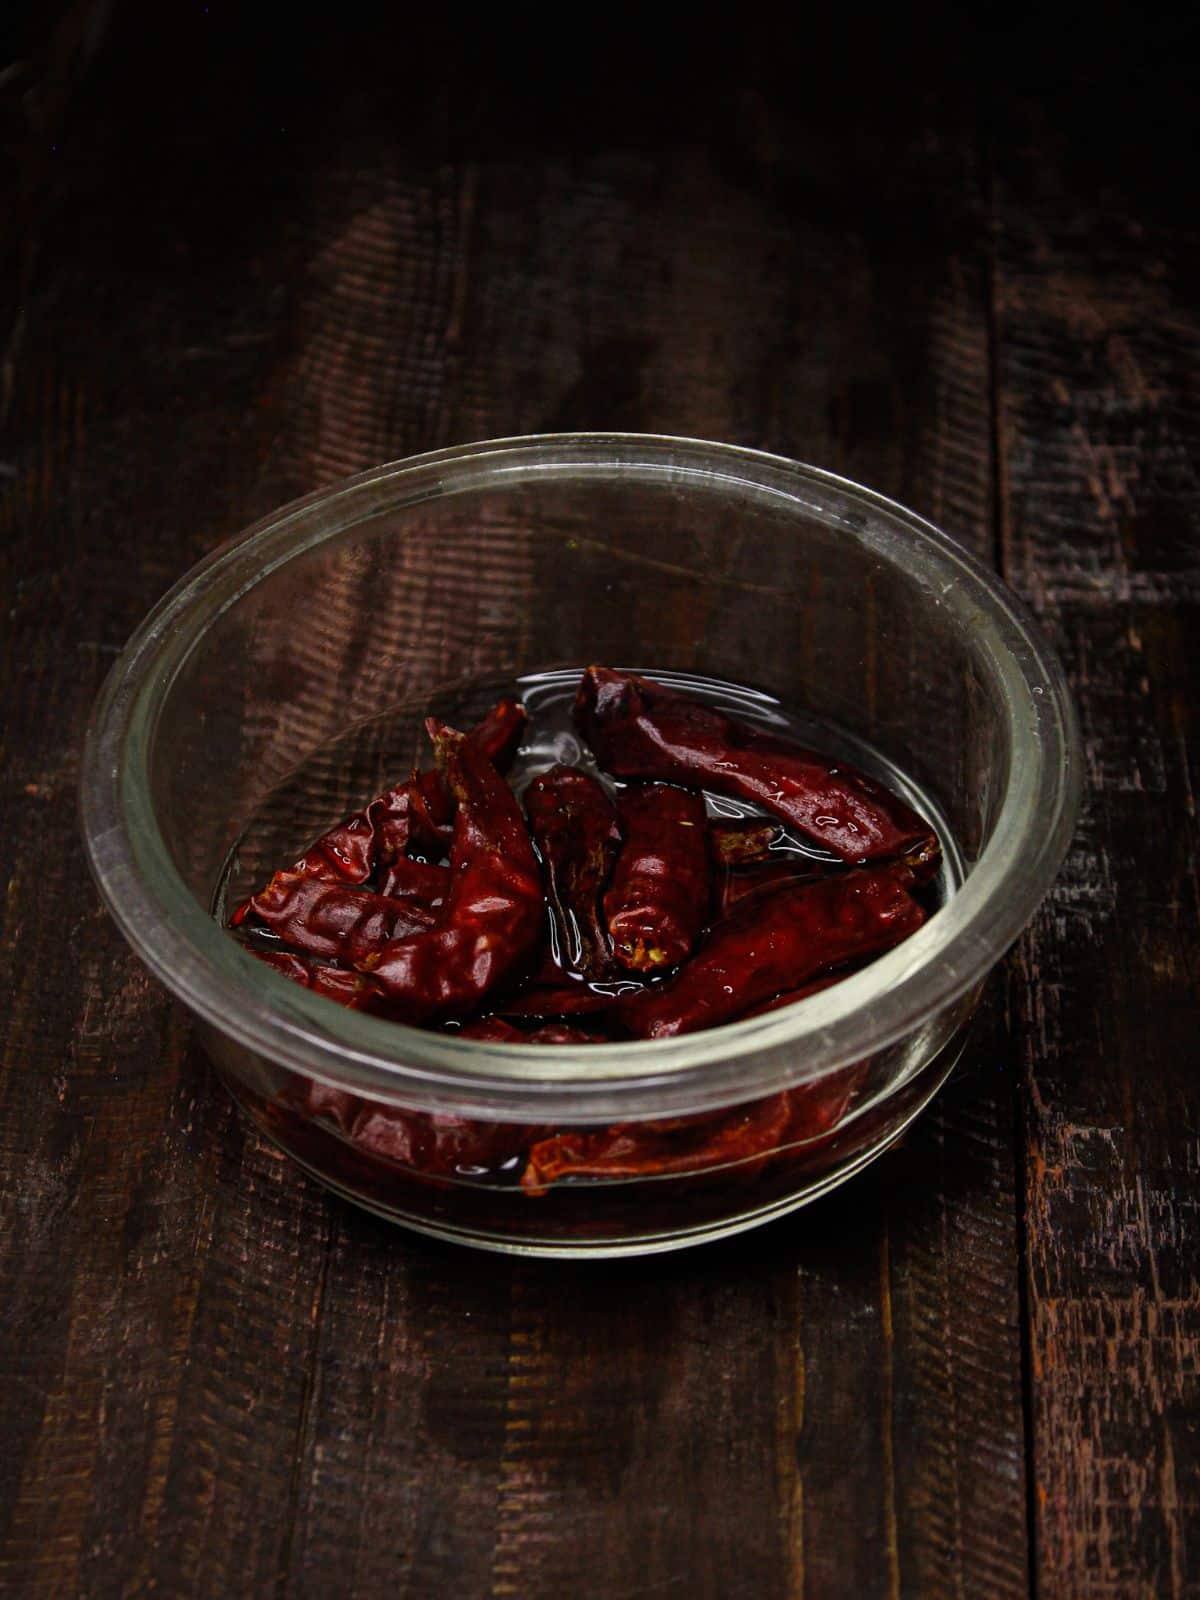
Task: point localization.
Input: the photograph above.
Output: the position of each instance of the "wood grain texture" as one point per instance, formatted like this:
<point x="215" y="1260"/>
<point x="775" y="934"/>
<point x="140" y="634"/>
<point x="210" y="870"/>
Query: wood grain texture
<point x="1098" y="339"/>
<point x="216" y="1380"/>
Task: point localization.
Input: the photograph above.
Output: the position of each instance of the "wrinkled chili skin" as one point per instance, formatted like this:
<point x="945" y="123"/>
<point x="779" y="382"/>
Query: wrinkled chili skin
<point x="350" y="989"/>
<point x="773" y="942"/>
<point x="491" y="919"/>
<point x="638" y="729"/>
<point x="639" y="1150"/>
<point x="416" y="883"/>
<point x="498" y="735"/>
<point x="574" y="1212"/>
<point x="334" y="920"/>
<point x="345" y="853"/>
<point x="746" y="1137"/>
<point x="414" y="815"/>
<point x="417" y="815"/>
<point x="442" y="1147"/>
<point x="438" y="1146"/>
<point x="432" y="1145"/>
<point x="411" y="815"/>
<point x="575" y="828"/>
<point x="657" y="901"/>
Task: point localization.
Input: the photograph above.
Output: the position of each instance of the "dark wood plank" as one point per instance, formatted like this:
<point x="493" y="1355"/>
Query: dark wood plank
<point x="603" y="269"/>
<point x="1098" y="339"/>
<point x="218" y="1380"/>
<point x="153" y="1337"/>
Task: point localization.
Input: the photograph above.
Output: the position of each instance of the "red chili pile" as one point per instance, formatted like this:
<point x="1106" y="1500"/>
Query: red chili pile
<point x="591" y="919"/>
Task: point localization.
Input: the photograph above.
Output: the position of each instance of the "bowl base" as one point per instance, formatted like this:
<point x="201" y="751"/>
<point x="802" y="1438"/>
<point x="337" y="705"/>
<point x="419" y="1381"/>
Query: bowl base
<point x="643" y="1244"/>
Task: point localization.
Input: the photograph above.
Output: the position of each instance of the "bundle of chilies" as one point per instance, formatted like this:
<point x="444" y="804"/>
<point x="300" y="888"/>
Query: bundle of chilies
<point x="592" y="918"/>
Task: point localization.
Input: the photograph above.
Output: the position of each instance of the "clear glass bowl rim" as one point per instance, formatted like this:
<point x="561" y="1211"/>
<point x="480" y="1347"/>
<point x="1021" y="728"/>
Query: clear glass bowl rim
<point x="895" y="996"/>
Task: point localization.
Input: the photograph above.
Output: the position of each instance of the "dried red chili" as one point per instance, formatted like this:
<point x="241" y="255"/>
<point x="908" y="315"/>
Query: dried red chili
<point x="429" y="1143"/>
<point x="412" y="814"/>
<point x="566" y="999"/>
<point x="491" y="918"/>
<point x="350" y="989"/>
<point x="439" y="1146"/>
<point x="549" y="991"/>
<point x="417" y="883"/>
<point x="330" y="1105"/>
<point x="773" y="942"/>
<point x="818" y="1108"/>
<point x="343" y="854"/>
<point x="435" y="944"/>
<point x="639" y="1149"/>
<point x="639" y="729"/>
<point x="791" y="996"/>
<point x="334" y="920"/>
<point x="574" y="825"/>
<point x="736" y="842"/>
<point x="658" y="899"/>
<point x="417" y="815"/>
<point x="735" y="886"/>
<point x="496" y="738"/>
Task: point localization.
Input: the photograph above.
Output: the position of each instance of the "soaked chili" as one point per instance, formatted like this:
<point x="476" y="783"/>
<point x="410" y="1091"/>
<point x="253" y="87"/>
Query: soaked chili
<point x="492" y="914"/>
<point x="665" y="921"/>
<point x="773" y="942"/>
<point x="662" y="881"/>
<point x="639" y="729"/>
<point x="574" y="825"/>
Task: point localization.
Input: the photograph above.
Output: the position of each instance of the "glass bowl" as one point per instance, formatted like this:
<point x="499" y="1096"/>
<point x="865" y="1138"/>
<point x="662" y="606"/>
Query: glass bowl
<point x="284" y="679"/>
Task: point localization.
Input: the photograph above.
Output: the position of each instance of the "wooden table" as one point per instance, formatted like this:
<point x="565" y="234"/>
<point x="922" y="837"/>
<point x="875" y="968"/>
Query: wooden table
<point x="959" y="266"/>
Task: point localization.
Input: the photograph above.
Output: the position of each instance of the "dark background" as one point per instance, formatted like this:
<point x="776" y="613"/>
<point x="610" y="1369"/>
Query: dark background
<point x="250" y="250"/>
